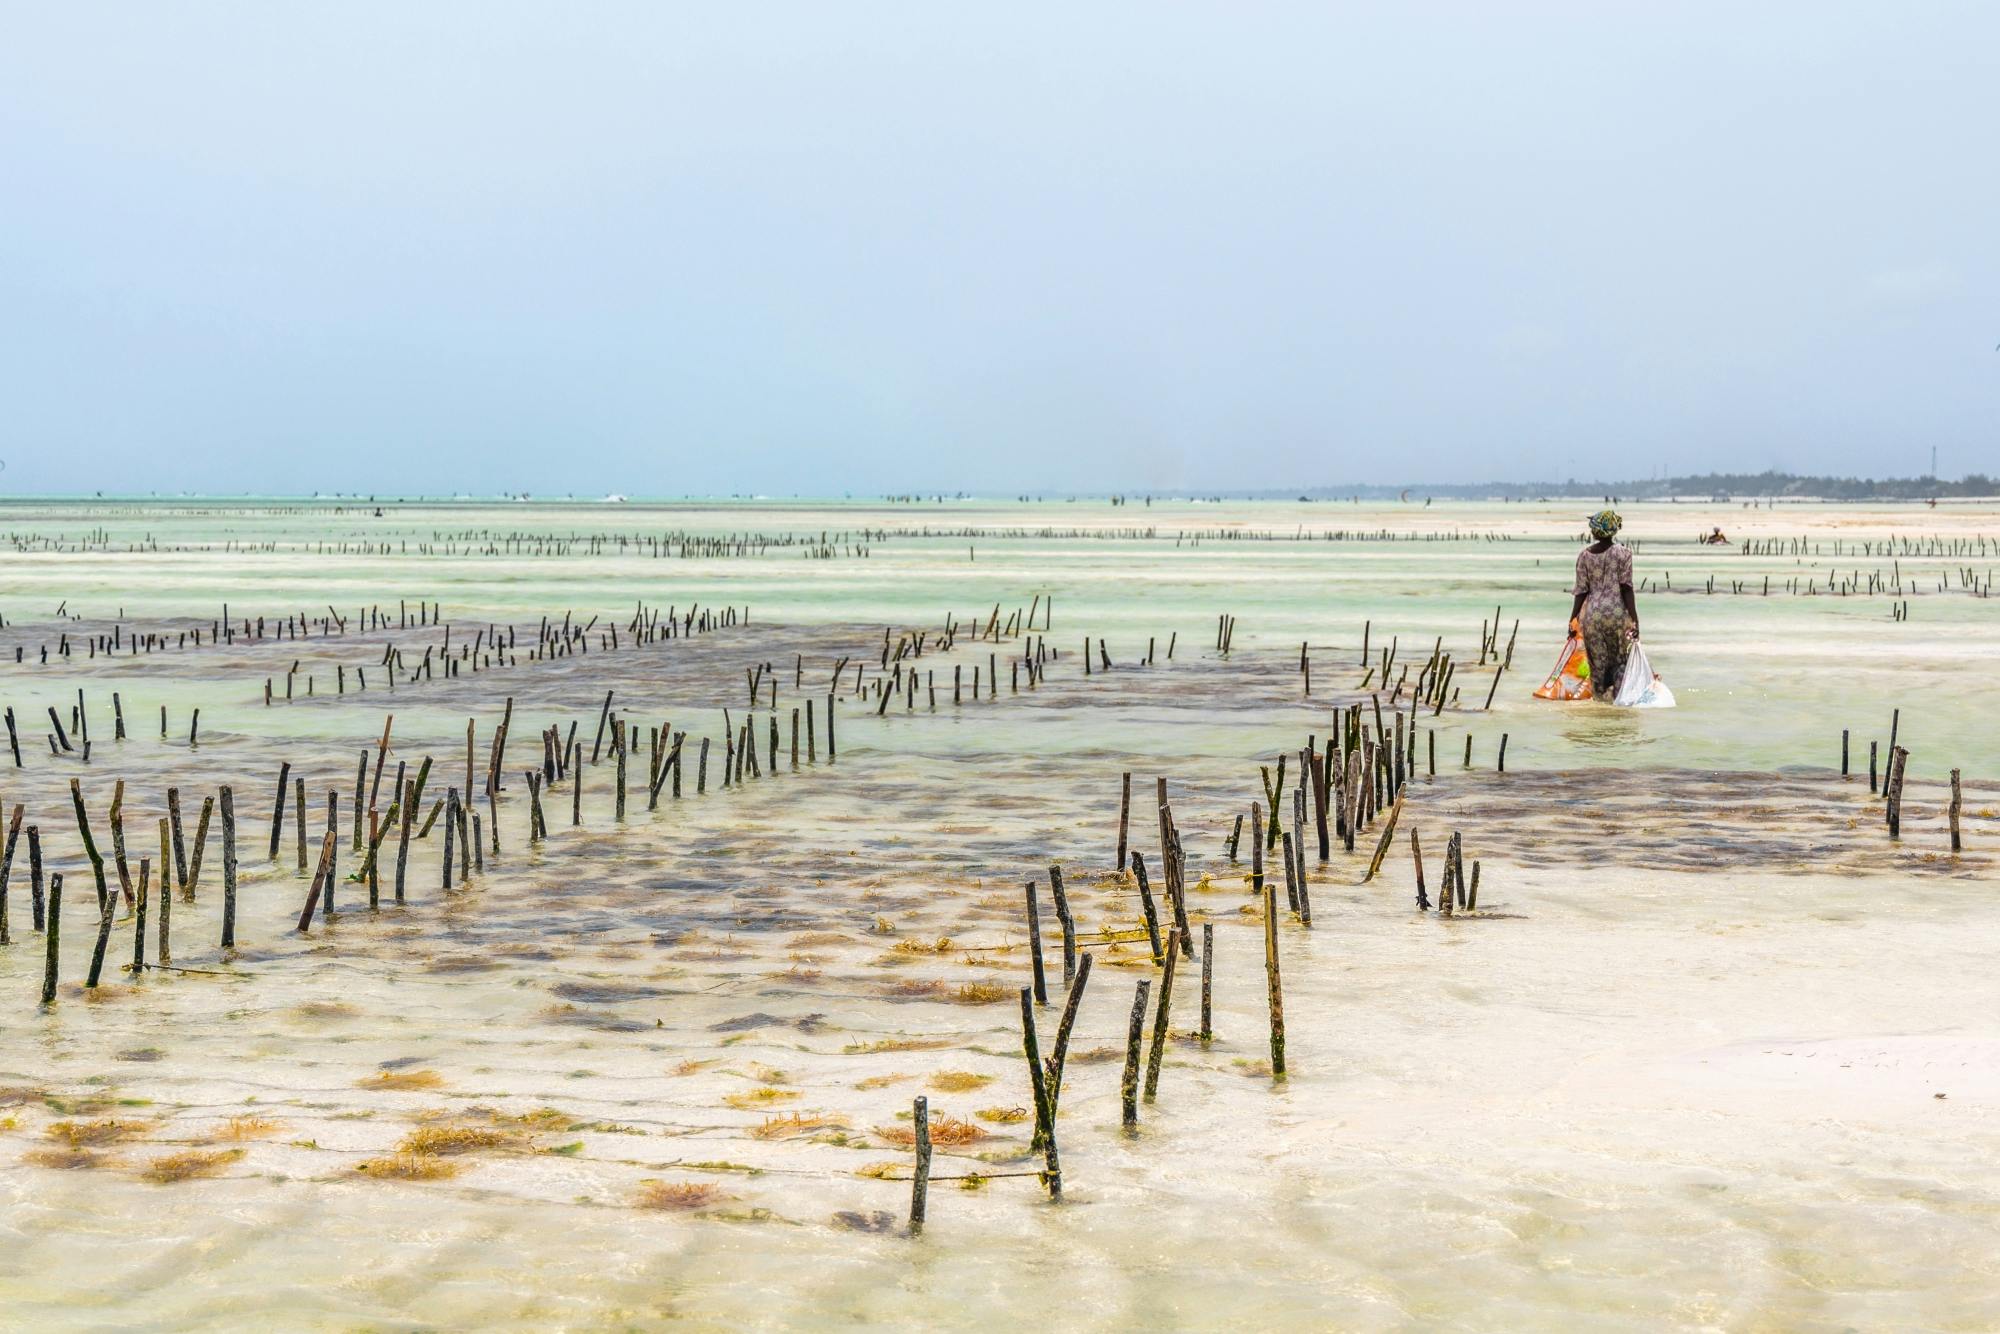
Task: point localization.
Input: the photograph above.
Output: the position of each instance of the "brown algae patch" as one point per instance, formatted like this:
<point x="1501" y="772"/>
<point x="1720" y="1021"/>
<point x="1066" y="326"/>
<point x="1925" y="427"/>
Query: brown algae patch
<point x="752" y="1099"/>
<point x="402" y="1080"/>
<point x="677" y="1196"/>
<point x="1002" y="1116"/>
<point x="448" y="1140"/>
<point x="959" y="1081"/>
<point x="248" y="1127"/>
<point x="189" y="1165"/>
<point x="325" y="1010"/>
<point x="409" y="1167"/>
<point x="798" y="1123"/>
<point x="946" y="1132"/>
<point x="542" y="1118"/>
<point x="1097" y="1055"/>
<point x="85" y="1134"/>
<point x="65" y="1160"/>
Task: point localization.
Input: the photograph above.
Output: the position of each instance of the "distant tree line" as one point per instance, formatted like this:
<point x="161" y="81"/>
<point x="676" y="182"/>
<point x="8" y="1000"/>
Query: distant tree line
<point x="1762" y="484"/>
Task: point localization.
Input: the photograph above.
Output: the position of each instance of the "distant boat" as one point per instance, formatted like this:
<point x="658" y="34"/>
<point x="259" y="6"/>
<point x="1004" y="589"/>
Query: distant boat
<point x="614" y="499"/>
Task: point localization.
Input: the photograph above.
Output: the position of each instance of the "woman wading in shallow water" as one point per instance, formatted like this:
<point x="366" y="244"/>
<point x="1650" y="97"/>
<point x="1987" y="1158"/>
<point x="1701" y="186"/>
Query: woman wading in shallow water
<point x="1604" y="615"/>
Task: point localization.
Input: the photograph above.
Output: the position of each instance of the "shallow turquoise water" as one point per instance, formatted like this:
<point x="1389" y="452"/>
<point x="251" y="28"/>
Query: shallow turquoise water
<point x="1764" y="681"/>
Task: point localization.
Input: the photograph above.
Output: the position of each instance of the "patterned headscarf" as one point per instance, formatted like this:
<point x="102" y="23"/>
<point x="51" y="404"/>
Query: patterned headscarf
<point x="1604" y="525"/>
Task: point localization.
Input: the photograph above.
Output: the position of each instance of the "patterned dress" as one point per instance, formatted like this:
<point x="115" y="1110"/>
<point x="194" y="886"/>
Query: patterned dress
<point x="1605" y="625"/>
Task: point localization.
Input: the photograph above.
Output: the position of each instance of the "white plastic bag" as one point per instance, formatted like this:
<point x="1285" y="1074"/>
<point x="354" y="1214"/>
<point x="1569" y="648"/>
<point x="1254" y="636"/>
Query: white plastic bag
<point x="1641" y="687"/>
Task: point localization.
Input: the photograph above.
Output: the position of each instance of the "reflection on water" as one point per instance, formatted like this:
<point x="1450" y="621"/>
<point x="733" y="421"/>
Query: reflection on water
<point x="1591" y="726"/>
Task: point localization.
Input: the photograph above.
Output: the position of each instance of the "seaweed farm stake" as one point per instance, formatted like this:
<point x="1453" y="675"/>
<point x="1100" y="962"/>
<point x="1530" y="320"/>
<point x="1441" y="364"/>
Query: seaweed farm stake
<point x="1417" y="859"/>
<point x="1065" y="920"/>
<point x="1274" y="983"/>
<point x="1060" y="1056"/>
<point x="1955" y="844"/>
<point x="1256" y="849"/>
<point x="1041" y="987"/>
<point x="1124" y="816"/>
<point x="1146" y="904"/>
<point x="35" y="874"/>
<point x="1135" y="1030"/>
<point x="1159" y="1048"/>
<point x="165" y="952"/>
<point x="920" y="1180"/>
<point x="52" y="939"/>
<point x="451" y="830"/>
<point x="104" y="911"/>
<point x="139" y="917"/>
<point x="89" y="843"/>
<point x="333" y="854"/>
<point x="7" y="868"/>
<point x="278" y="809"/>
<point x="318" y="881"/>
<point x="180" y="866"/>
<point x="1207" y="978"/>
<point x="1045" y="1109"/>
<point x="1382" y="848"/>
<point x="200" y="843"/>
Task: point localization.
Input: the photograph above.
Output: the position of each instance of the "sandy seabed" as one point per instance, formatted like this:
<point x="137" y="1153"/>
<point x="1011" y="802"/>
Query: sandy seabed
<point x="1712" y="1052"/>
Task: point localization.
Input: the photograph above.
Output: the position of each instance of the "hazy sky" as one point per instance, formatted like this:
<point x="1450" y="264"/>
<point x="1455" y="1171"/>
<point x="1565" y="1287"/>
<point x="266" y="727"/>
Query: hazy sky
<point x="833" y="247"/>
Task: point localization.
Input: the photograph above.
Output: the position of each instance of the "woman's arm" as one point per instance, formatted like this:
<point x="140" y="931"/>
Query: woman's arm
<point x="1582" y="590"/>
<point x="1625" y="588"/>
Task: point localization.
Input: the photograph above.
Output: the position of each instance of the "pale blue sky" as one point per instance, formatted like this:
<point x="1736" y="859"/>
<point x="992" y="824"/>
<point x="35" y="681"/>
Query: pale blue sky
<point x="664" y="248"/>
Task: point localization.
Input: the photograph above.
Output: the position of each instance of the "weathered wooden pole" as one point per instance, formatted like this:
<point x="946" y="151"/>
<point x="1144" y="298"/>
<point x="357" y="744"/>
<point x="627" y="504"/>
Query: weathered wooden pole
<point x="920" y="1181"/>
<point x="1124" y="818"/>
<point x="1135" y="1031"/>
<point x="1274" y="983"/>
<point x="1045" y="1110"/>
<point x="52" y="937"/>
<point x="1041" y="986"/>
<point x="1160" y="1016"/>
<point x="1207" y="1034"/>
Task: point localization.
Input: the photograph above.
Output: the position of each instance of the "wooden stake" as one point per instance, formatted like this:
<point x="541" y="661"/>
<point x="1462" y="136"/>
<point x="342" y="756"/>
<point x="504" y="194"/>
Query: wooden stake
<point x="1124" y="817"/>
<point x="52" y="938"/>
<point x="920" y="1182"/>
<point x="1957" y="803"/>
<point x="1045" y="1112"/>
<point x="1274" y="983"/>
<point x="1207" y="979"/>
<point x="1160" y="1015"/>
<point x="1041" y="987"/>
<point x="1135" y="1030"/>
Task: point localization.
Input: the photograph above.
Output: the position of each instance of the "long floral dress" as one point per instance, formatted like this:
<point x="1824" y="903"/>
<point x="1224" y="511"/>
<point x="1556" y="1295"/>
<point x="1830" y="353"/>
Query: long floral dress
<point x="1605" y="625"/>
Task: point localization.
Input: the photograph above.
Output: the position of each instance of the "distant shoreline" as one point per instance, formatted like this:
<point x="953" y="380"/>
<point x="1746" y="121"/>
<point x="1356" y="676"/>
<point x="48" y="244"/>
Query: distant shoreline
<point x="1714" y="488"/>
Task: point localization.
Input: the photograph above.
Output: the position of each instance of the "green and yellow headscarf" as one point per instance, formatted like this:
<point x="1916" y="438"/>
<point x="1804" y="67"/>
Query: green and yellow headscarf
<point x="1605" y="524"/>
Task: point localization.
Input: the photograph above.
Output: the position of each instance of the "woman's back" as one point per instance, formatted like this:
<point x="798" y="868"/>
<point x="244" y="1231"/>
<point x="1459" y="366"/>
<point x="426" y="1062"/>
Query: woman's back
<point x="1599" y="574"/>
